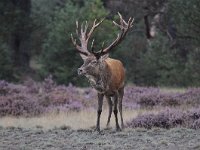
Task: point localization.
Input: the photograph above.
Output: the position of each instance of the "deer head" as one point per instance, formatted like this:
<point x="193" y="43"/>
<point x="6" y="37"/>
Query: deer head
<point x="94" y="61"/>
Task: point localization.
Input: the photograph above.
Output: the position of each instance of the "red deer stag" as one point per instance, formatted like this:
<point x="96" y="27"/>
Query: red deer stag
<point x="105" y="74"/>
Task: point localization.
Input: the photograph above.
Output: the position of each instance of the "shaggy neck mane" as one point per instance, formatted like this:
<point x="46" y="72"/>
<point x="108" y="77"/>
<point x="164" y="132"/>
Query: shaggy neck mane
<point x="104" y="74"/>
<point x="101" y="81"/>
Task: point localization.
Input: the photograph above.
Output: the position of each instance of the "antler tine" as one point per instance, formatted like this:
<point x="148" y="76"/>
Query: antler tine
<point x="77" y="28"/>
<point x="117" y="24"/>
<point x="131" y="24"/>
<point x="120" y="17"/>
<point x="99" y="53"/>
<point x="124" y="26"/>
<point x="100" y="21"/>
<point x="102" y="45"/>
<point x="79" y="49"/>
<point x="92" y="45"/>
<point x="82" y="29"/>
<point x="73" y="40"/>
<point x="91" y="30"/>
<point x="84" y="36"/>
<point x="122" y="20"/>
<point x="94" y="22"/>
<point x="86" y="26"/>
<point x="95" y="25"/>
<point x="129" y="20"/>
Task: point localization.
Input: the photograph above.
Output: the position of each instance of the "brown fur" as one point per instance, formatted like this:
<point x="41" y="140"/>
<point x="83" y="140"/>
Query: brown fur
<point x="117" y="73"/>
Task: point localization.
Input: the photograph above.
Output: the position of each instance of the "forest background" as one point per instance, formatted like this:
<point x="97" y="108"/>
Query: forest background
<point x="162" y="49"/>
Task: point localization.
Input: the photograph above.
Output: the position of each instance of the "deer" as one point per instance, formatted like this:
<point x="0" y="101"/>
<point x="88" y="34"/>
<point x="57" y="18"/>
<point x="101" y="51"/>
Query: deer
<point x="105" y="74"/>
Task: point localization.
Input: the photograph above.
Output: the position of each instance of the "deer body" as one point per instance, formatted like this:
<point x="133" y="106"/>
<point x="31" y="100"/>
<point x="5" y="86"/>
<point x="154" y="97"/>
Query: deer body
<point x="109" y="77"/>
<point x="104" y="74"/>
<point x="117" y="74"/>
<point x="114" y="84"/>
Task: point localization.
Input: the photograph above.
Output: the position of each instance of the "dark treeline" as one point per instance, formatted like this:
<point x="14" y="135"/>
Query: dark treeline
<point x="162" y="49"/>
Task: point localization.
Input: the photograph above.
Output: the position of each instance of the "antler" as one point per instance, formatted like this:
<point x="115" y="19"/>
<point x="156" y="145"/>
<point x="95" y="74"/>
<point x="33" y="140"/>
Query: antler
<point x="124" y="26"/>
<point x="84" y="37"/>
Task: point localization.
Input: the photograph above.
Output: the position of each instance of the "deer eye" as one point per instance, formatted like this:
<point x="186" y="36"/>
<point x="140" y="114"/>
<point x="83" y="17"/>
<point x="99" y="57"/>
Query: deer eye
<point x="93" y="62"/>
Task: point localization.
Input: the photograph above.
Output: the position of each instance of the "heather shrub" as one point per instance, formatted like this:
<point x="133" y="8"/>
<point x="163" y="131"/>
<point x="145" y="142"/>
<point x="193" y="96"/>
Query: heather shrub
<point x="139" y="96"/>
<point x="169" y="99"/>
<point x="196" y="124"/>
<point x="190" y="97"/>
<point x="168" y="118"/>
<point x="32" y="98"/>
<point x="3" y="85"/>
<point x="16" y="100"/>
<point x="149" y="120"/>
<point x="154" y="97"/>
<point x="148" y="100"/>
<point x="19" y="104"/>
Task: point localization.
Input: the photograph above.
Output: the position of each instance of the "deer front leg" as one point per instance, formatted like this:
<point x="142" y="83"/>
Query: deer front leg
<point x="121" y="94"/>
<point x="116" y="111"/>
<point x="110" y="109"/>
<point x="100" y="103"/>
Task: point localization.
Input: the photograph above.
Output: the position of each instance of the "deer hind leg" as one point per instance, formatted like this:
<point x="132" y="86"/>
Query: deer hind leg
<point x="115" y="111"/>
<point x="100" y="103"/>
<point x="110" y="110"/>
<point x="121" y="94"/>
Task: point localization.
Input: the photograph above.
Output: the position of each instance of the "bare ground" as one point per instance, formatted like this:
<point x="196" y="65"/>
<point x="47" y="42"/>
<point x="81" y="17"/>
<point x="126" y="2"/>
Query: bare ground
<point x="64" y="138"/>
<point x="73" y="131"/>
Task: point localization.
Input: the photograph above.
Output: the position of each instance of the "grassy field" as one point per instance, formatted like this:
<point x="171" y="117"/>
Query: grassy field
<point x="84" y="119"/>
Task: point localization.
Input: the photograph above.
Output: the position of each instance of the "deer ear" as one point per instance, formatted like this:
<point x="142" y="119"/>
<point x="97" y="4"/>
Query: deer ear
<point x="104" y="57"/>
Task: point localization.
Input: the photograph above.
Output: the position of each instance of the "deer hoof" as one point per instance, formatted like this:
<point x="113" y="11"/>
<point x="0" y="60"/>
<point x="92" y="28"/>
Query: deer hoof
<point x="97" y="130"/>
<point x="118" y="129"/>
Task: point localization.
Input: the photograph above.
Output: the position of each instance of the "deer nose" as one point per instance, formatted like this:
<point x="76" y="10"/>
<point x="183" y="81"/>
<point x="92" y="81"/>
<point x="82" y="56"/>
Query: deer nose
<point x="80" y="71"/>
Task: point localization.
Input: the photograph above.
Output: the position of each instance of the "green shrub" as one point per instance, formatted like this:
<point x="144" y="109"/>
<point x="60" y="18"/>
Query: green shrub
<point x="59" y="56"/>
<point x="6" y="69"/>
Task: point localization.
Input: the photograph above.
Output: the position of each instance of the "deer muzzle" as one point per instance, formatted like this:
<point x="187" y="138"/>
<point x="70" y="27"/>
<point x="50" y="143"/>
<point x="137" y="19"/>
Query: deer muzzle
<point x="81" y="71"/>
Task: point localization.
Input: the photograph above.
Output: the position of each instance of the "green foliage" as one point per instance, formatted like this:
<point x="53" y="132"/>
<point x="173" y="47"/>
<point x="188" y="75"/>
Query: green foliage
<point x="186" y="18"/>
<point x="15" y="30"/>
<point x="41" y="15"/>
<point x="129" y="52"/>
<point x="59" y="55"/>
<point x="5" y="63"/>
<point x="193" y="68"/>
<point x="6" y="27"/>
<point x="158" y="65"/>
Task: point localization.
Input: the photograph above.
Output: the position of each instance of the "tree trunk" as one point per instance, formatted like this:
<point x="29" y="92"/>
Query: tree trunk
<point x="20" y="37"/>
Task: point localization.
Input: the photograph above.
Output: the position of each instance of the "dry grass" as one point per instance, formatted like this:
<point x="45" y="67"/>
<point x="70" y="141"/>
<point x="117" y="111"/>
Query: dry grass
<point x="172" y="90"/>
<point x="76" y="120"/>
